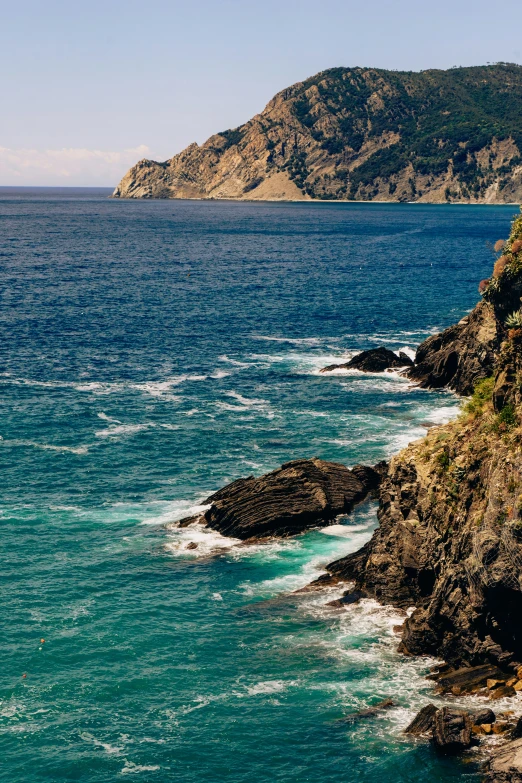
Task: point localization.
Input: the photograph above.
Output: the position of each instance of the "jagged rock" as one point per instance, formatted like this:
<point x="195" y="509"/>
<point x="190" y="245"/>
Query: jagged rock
<point x="468" y="677"/>
<point x="461" y="355"/>
<point x="374" y="360"/>
<point x="424" y="721"/>
<point x="452" y="730"/>
<point x="299" y="495"/>
<point x="505" y="764"/>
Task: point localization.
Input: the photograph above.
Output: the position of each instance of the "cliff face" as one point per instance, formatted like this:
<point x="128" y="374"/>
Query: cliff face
<point x="450" y="535"/>
<point x="361" y="133"/>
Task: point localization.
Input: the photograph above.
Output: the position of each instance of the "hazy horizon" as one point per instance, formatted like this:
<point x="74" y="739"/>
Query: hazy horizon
<point x="97" y="88"/>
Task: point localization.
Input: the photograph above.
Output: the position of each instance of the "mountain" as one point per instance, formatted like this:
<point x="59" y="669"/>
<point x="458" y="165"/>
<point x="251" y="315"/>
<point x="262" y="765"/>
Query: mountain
<point x="361" y="134"/>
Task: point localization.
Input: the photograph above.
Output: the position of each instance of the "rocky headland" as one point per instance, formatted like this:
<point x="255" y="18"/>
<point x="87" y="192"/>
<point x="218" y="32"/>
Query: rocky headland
<point x="449" y="541"/>
<point x="361" y="134"/>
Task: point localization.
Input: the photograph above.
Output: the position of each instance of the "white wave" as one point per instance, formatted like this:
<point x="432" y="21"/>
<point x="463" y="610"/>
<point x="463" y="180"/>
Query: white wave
<point x="304" y="363"/>
<point x="269" y="686"/>
<point x="161" y="388"/>
<point x="443" y="414"/>
<point x="401" y="440"/>
<point x="246" y="401"/>
<point x="123" y="429"/>
<point x="47" y="446"/>
<point x="220" y="374"/>
<point x="207" y="541"/>
<point x="104" y="417"/>
<point x="343" y="531"/>
<point x="296" y="340"/>
<point x="408" y="351"/>
<point x="173" y="511"/>
<point x="107" y="747"/>
<point x="313" y="414"/>
<point x="234" y="362"/>
<point x="134" y="769"/>
<point x="100" y="388"/>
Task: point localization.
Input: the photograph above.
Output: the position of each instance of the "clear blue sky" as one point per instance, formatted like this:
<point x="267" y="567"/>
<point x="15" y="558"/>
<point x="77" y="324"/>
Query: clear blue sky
<point x="89" y="87"/>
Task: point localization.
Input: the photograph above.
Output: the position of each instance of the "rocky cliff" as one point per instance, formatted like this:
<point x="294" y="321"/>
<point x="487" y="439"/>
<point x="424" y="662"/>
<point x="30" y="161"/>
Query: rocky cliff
<point x="361" y="134"/>
<point x="450" y="535"/>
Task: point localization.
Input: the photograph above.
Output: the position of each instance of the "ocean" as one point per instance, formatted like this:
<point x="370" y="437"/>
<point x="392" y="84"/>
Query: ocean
<point x="151" y="353"/>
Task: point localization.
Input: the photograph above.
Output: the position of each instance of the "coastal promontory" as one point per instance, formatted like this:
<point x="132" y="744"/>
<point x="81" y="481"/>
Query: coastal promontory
<point x="363" y="134"/>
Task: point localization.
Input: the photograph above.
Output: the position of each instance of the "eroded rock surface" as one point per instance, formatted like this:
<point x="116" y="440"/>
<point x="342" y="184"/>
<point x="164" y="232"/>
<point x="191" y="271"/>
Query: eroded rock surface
<point x="505" y="764"/>
<point x="461" y="355"/>
<point x="299" y="495"/>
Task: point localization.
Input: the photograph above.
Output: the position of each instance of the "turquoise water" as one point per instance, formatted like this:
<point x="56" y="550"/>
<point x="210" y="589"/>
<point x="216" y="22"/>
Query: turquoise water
<point x="152" y="352"/>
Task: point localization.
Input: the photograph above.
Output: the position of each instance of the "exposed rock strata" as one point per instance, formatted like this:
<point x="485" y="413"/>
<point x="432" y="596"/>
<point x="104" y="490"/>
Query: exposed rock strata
<point x="299" y="495"/>
<point x="505" y="764"/>
<point x="360" y="134"/>
<point x="374" y="360"/>
<point x="461" y="355"/>
<point x="449" y="540"/>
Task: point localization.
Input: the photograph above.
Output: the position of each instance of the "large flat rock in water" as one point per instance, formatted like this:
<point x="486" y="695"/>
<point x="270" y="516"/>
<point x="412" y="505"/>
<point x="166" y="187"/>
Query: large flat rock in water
<point x="299" y="495"/>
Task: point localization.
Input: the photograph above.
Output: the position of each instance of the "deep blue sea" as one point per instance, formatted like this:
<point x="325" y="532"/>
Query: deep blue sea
<point x="151" y="353"/>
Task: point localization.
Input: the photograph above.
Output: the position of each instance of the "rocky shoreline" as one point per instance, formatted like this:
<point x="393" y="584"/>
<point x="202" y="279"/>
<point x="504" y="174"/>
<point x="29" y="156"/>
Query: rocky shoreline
<point x="449" y="541"/>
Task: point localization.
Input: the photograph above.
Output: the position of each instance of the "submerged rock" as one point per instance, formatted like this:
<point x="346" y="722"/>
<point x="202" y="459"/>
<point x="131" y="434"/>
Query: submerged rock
<point x="375" y="360"/>
<point x="299" y="495"/>
<point x="368" y="712"/>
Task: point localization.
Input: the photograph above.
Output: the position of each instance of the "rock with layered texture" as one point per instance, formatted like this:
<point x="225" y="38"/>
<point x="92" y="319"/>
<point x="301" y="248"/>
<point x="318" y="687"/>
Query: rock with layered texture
<point x="449" y="540"/>
<point x="452" y="730"/>
<point x="299" y="495"/>
<point x="423" y="722"/>
<point x="505" y="764"/>
<point x="359" y="133"/>
<point x="374" y="360"/>
<point x="461" y="355"/>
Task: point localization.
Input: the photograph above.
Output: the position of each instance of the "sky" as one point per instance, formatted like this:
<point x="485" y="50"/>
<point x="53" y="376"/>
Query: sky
<point x="89" y="88"/>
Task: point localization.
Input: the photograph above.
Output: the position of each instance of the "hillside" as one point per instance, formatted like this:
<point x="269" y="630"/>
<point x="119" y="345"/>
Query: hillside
<point x="361" y="134"/>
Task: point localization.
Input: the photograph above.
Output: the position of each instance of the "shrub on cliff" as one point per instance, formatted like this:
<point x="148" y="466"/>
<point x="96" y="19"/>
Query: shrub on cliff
<point x="500" y="265"/>
<point x="514" y="321"/>
<point x="482" y="395"/>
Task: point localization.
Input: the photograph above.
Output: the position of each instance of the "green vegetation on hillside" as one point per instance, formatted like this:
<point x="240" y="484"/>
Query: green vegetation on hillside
<point x="443" y="120"/>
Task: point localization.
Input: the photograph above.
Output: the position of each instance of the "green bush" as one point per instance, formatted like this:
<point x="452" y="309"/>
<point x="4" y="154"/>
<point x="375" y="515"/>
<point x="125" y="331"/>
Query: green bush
<point x="482" y="394"/>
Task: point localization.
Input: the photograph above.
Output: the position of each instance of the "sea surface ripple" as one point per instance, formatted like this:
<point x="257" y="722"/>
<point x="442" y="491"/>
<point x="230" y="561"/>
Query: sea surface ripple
<point x="151" y="353"/>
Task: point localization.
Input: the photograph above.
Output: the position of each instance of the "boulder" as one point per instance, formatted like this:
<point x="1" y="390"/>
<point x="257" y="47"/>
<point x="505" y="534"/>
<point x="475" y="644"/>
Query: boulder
<point x="301" y="494"/>
<point x="374" y="360"/>
<point x="452" y="730"/>
<point x="424" y="721"/>
<point x="468" y="677"/>
<point x="483" y="716"/>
